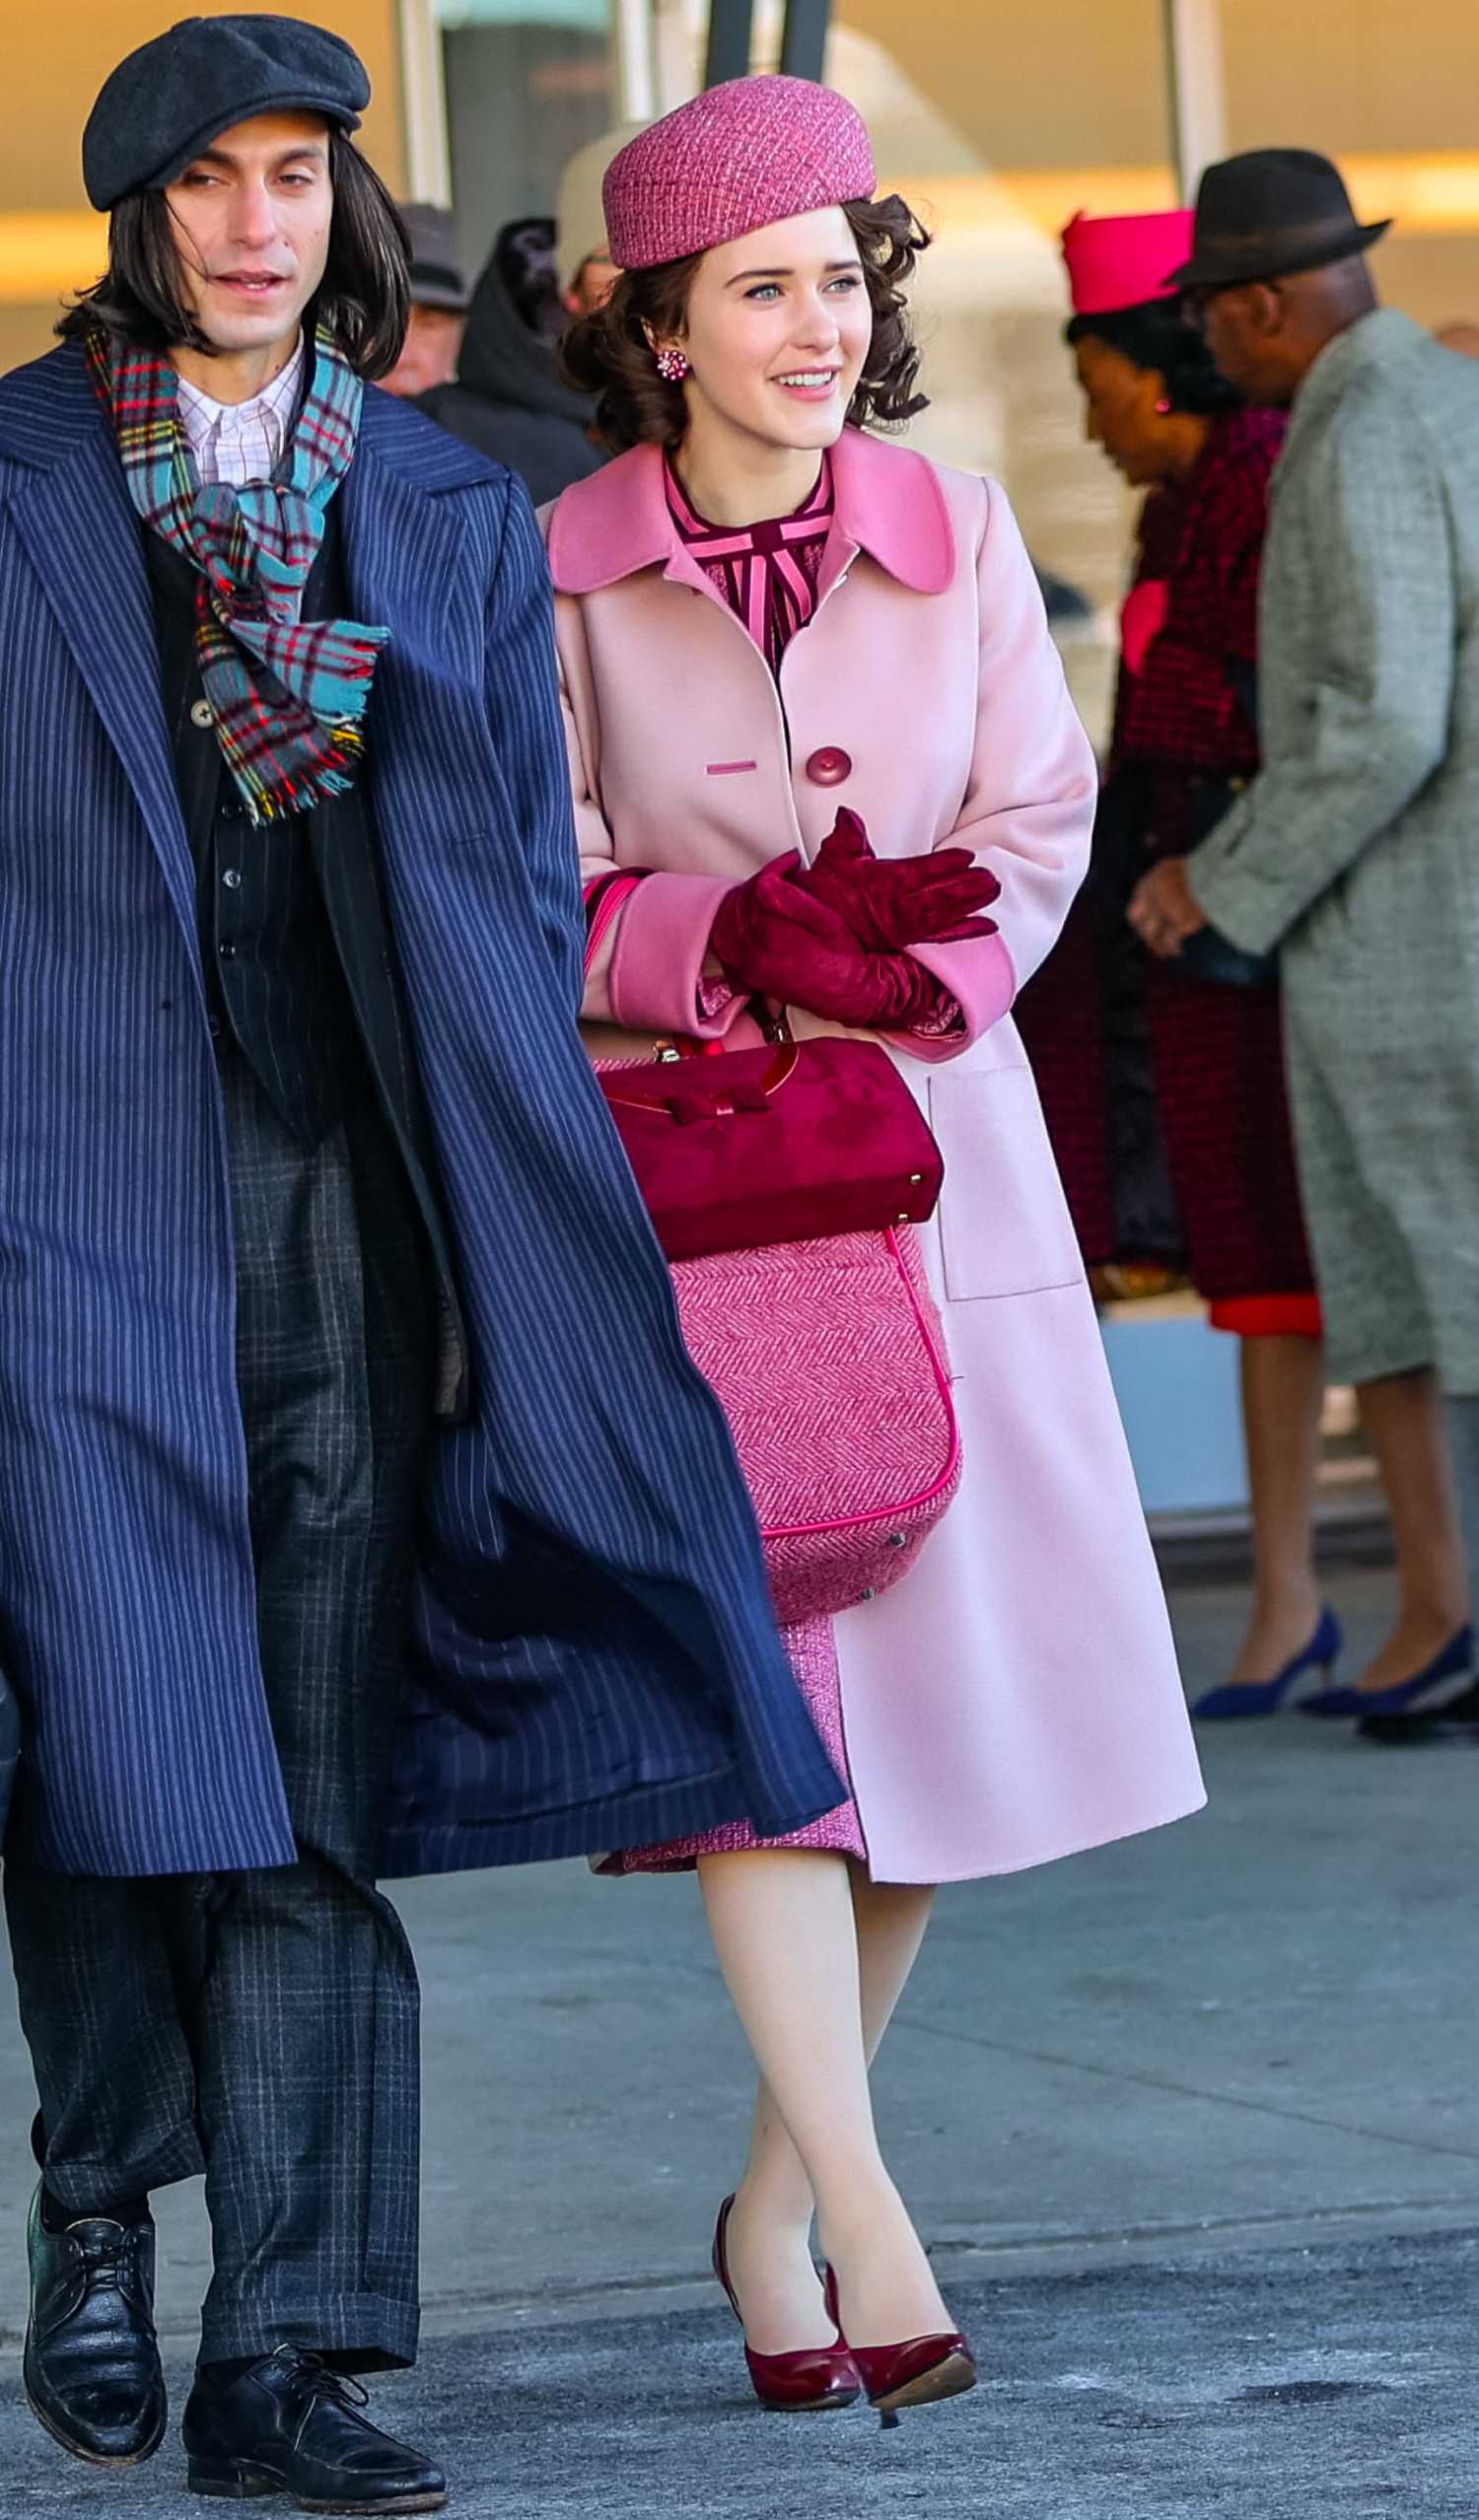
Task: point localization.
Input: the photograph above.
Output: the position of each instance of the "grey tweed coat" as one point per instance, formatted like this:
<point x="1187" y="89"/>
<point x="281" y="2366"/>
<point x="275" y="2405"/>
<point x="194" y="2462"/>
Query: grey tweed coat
<point x="1356" y="850"/>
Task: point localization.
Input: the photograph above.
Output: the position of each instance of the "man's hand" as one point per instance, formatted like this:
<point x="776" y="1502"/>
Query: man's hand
<point x="1163" y="911"/>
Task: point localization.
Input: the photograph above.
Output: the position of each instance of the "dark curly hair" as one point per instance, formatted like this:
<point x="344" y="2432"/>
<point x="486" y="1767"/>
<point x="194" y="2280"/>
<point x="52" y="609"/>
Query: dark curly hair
<point x="1157" y="338"/>
<point x="608" y="353"/>
<point x="363" y="299"/>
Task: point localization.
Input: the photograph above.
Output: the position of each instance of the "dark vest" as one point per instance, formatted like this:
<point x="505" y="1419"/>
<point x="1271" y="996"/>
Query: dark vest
<point x="299" y="964"/>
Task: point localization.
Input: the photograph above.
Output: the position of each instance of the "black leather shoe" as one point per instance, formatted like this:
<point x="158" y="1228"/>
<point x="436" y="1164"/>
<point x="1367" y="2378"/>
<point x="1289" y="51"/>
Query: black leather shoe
<point x="291" y="2425"/>
<point x="92" y="2364"/>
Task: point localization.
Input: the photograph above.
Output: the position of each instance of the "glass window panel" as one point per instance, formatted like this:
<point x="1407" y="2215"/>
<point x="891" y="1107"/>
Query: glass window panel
<point x="527" y="83"/>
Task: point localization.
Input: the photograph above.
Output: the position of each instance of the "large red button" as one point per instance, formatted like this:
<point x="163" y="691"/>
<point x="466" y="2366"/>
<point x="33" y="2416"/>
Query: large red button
<point x="829" y="767"/>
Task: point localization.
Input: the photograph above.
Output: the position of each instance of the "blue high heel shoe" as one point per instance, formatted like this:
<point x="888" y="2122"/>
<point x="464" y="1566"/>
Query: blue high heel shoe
<point x="1263" y="1696"/>
<point x="1455" y="1659"/>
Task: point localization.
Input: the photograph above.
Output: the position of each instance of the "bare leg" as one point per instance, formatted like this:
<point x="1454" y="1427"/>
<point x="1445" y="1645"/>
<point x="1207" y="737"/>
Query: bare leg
<point x="1282" y="1387"/>
<point x="1402" y="1416"/>
<point x="770" y="2229"/>
<point x="786" y="1932"/>
<point x="1461" y="1421"/>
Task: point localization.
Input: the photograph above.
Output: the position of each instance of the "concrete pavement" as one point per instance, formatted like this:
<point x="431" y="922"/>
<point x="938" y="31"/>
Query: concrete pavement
<point x="1190" y="2124"/>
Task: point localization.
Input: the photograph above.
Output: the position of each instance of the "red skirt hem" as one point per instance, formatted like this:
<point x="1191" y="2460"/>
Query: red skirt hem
<point x="1268" y="1316"/>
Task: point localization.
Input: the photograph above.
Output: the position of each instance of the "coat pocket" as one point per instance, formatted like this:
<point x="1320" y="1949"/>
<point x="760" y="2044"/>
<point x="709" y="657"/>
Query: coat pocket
<point x="1004" y="1222"/>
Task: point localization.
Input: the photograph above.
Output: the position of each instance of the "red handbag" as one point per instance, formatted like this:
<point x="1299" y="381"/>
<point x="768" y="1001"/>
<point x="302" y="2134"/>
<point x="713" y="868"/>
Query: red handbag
<point x="782" y="1144"/>
<point x="784" y="1183"/>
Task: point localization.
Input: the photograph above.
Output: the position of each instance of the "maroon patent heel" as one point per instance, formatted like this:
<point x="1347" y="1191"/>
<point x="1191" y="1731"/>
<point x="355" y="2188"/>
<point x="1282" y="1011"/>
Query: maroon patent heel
<point x="916" y="2373"/>
<point x="797" y="2383"/>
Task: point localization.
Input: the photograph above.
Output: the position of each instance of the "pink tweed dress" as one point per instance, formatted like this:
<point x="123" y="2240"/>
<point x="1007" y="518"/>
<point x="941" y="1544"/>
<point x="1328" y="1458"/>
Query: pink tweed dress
<point x="767" y="574"/>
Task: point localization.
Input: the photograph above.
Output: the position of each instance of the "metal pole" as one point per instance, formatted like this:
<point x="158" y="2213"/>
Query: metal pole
<point x="423" y="105"/>
<point x="804" y="43"/>
<point x="1198" y="95"/>
<point x="632" y="55"/>
<point x="731" y="29"/>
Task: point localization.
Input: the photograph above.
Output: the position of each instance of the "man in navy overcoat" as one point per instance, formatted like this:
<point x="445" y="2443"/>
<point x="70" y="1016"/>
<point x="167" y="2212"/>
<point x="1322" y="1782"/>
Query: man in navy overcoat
<point x="345" y="1426"/>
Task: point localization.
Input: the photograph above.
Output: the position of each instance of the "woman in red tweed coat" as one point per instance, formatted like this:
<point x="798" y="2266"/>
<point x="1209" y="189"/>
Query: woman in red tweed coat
<point x="1163" y="1092"/>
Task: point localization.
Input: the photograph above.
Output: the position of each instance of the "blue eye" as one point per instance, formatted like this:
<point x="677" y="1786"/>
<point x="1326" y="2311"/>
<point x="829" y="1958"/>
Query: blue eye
<point x="766" y="288"/>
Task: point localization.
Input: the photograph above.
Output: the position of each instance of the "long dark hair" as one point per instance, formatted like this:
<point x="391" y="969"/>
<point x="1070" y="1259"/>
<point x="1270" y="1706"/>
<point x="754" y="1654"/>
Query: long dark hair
<point x="610" y="353"/>
<point x="363" y="300"/>
<point x="1156" y="337"/>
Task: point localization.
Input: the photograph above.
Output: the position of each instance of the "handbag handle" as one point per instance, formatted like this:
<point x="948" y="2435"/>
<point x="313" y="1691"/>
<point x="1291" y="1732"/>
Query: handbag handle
<point x="717" y="1101"/>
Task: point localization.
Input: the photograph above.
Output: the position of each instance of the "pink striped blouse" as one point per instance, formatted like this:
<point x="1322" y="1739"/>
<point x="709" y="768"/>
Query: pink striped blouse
<point x="766" y="572"/>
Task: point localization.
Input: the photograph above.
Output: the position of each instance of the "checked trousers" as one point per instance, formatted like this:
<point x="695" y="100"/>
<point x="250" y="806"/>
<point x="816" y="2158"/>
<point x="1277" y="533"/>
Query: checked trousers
<point x="262" y="2027"/>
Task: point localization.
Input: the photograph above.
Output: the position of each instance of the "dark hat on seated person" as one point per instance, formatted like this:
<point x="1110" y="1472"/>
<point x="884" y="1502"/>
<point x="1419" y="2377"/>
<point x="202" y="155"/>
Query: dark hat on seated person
<point x="436" y="275"/>
<point x="170" y="100"/>
<point x="1268" y="213"/>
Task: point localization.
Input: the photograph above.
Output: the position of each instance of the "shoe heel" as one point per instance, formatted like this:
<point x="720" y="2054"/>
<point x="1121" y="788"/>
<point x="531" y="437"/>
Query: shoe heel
<point x="231" y="2479"/>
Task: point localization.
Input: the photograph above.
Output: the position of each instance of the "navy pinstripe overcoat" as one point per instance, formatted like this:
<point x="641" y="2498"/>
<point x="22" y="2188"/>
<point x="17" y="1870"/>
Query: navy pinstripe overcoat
<point x="596" y="1659"/>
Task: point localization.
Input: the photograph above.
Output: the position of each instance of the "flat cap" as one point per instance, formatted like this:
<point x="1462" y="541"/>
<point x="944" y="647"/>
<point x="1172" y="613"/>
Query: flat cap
<point x="167" y="102"/>
<point x="436" y="275"/>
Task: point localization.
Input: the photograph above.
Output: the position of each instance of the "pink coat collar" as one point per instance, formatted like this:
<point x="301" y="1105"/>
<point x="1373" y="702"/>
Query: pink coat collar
<point x="889" y="504"/>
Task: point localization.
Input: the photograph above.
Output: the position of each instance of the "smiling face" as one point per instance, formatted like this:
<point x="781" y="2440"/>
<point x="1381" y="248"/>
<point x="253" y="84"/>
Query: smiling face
<point x="251" y="218"/>
<point x="779" y="326"/>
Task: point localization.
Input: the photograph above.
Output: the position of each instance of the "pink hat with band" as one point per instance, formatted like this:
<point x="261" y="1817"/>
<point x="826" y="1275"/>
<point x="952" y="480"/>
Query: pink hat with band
<point x="1113" y="263"/>
<point x="736" y="159"/>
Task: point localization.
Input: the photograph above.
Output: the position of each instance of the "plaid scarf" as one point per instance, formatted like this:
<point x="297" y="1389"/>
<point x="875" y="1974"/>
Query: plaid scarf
<point x="288" y="695"/>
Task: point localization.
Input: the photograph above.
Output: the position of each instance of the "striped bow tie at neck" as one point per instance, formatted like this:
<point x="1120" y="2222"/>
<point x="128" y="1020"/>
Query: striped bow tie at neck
<point x="766" y="572"/>
<point x="288" y="695"/>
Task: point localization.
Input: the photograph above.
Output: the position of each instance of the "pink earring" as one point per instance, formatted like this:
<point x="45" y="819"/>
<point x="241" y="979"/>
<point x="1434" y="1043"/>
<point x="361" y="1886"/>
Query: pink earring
<point x="1163" y="405"/>
<point x="672" y="366"/>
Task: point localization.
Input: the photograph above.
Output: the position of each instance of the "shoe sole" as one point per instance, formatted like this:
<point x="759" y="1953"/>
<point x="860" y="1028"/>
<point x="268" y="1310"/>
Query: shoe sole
<point x="96" y="2458"/>
<point x="808" y="2406"/>
<point x="947" y="2379"/>
<point x="249" y="2485"/>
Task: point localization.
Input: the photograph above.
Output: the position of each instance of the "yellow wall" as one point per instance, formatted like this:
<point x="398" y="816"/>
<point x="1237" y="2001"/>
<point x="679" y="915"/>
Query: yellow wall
<point x="1064" y="101"/>
<point x="1063" y="98"/>
<point x="1351" y="76"/>
<point x="57" y="55"/>
<point x="1033" y="83"/>
<point x="1389" y="86"/>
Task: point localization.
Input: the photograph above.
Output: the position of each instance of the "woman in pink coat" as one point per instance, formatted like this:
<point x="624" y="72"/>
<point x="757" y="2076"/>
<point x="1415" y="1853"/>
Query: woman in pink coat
<point x="766" y="614"/>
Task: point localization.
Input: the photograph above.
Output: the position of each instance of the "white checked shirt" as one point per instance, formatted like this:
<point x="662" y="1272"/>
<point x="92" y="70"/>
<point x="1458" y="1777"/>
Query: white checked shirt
<point x="238" y="441"/>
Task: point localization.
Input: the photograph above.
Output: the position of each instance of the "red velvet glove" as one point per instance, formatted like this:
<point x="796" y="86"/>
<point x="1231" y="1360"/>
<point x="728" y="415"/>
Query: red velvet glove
<point x="890" y="902"/>
<point x="774" y="937"/>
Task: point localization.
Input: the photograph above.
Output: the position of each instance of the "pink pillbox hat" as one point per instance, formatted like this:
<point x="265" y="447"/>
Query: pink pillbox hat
<point x="733" y="160"/>
<point x="1123" y="262"/>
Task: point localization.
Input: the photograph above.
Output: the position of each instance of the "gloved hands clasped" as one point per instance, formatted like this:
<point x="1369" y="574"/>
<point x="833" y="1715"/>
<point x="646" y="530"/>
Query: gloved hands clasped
<point x="831" y="937"/>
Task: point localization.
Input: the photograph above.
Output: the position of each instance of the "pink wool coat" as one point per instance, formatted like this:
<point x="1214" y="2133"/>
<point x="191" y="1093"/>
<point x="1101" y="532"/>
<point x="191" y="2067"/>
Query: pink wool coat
<point x="1016" y="1697"/>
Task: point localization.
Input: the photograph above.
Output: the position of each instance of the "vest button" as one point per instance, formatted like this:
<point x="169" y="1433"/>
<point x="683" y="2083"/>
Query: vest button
<point x="228" y="954"/>
<point x="202" y="714"/>
<point x="233" y="878"/>
<point x="828" y="767"/>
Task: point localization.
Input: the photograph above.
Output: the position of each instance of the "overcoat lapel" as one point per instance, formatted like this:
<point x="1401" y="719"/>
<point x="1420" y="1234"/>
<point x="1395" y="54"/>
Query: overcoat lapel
<point x="82" y="540"/>
<point x="405" y="563"/>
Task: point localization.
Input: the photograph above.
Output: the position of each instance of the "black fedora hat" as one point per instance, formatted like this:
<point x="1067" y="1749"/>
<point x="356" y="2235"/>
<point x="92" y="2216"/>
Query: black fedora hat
<point x="1267" y="213"/>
